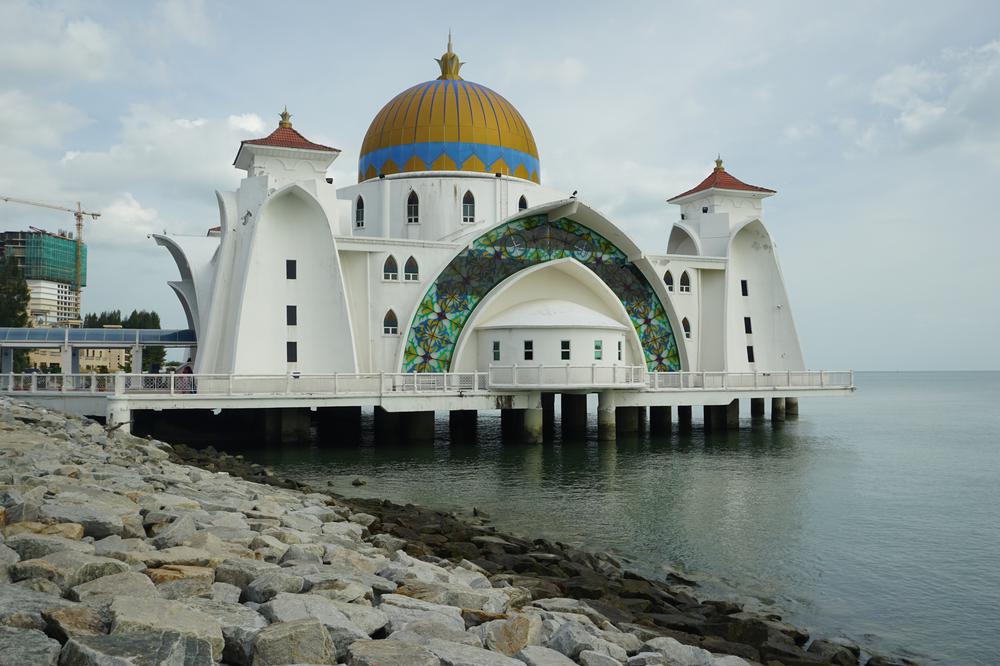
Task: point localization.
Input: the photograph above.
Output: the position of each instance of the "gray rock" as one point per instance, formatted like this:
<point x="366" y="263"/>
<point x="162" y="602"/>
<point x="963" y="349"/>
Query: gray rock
<point x="67" y="568"/>
<point x="454" y="594"/>
<point x="835" y="653"/>
<point x="289" y="607"/>
<point x="43" y="585"/>
<point x="564" y="605"/>
<point x="363" y="519"/>
<point x="147" y="648"/>
<point x="678" y="653"/>
<point x="240" y="626"/>
<point x="130" y="614"/>
<point x="420" y="631"/>
<point x="271" y="584"/>
<point x="591" y="658"/>
<point x="98" y="520"/>
<point x="571" y="639"/>
<point x="226" y="593"/>
<point x="175" y="533"/>
<point x="388" y="542"/>
<point x="127" y="584"/>
<point x="455" y="654"/>
<point x="648" y="659"/>
<point x="296" y="642"/>
<point x="628" y="642"/>
<point x="8" y="556"/>
<point x="15" y="600"/>
<point x="185" y="588"/>
<point x="241" y="572"/>
<point x="537" y="655"/>
<point x="368" y="619"/>
<point x="27" y="646"/>
<point x="32" y="546"/>
<point x="402" y="610"/>
<point x="304" y="552"/>
<point x="390" y="653"/>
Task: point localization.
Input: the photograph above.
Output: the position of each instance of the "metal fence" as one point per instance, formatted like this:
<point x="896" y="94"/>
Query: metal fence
<point x="505" y="378"/>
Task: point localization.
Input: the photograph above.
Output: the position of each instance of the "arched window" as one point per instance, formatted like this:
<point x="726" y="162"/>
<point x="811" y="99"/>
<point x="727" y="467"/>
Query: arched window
<point x="359" y="213"/>
<point x="522" y="203"/>
<point x="411" y="273"/>
<point x="685" y="283"/>
<point x="668" y="279"/>
<point x="390" y="269"/>
<point x="686" y="325"/>
<point x="390" y="326"/>
<point x="412" y="208"/>
<point x="468" y="208"/>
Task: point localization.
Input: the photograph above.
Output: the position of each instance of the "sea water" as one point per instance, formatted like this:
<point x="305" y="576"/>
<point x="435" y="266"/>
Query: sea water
<point x="874" y="516"/>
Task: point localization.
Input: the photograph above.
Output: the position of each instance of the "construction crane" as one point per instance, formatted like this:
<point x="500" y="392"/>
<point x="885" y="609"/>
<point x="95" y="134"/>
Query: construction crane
<point x="79" y="213"/>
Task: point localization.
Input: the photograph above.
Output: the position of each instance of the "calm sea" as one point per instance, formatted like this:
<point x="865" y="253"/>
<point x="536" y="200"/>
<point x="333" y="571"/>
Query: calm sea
<point x="875" y="516"/>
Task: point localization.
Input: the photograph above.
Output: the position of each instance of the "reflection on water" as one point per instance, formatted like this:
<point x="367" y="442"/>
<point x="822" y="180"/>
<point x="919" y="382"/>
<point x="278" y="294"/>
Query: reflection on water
<point x="873" y="515"/>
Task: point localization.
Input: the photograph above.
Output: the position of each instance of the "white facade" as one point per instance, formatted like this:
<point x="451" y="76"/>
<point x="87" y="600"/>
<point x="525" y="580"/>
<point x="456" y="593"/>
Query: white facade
<point x="305" y="276"/>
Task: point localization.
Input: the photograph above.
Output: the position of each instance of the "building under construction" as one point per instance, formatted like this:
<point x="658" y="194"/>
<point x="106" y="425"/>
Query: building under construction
<point x="49" y="264"/>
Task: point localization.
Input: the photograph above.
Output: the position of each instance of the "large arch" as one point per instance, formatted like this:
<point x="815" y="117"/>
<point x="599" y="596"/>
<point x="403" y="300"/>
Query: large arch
<point x="512" y="246"/>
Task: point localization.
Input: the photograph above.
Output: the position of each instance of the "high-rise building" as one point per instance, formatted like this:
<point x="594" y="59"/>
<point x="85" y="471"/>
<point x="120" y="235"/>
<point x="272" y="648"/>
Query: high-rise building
<point x="49" y="264"/>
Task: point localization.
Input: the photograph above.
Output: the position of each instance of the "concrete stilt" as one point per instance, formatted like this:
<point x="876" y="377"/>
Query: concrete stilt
<point x="791" y="406"/>
<point x="287" y="424"/>
<point x="511" y="423"/>
<point x="757" y="407"/>
<point x="659" y="420"/>
<point x="338" y="425"/>
<point x="533" y="420"/>
<point x="643" y="414"/>
<point x="777" y="409"/>
<point x="574" y="412"/>
<point x="387" y="424"/>
<point x="7" y="362"/>
<point x="548" y="410"/>
<point x="708" y="417"/>
<point x="733" y="415"/>
<point x="684" y="418"/>
<point x="463" y="421"/>
<point x="606" y="413"/>
<point x="627" y="419"/>
<point x="418" y="426"/>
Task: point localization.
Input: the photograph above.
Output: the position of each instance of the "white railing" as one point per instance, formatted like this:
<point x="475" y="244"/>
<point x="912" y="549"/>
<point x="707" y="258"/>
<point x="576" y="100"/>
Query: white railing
<point x="587" y="376"/>
<point x="499" y="377"/>
<point x="794" y="379"/>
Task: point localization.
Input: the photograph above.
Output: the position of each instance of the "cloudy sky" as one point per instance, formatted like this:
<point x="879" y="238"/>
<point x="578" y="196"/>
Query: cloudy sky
<point x="877" y="122"/>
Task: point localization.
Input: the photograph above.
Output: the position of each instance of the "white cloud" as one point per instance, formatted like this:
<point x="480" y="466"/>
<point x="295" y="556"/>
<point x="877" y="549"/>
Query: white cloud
<point x="26" y="120"/>
<point x="800" y="132"/>
<point x="566" y="72"/>
<point x="156" y="149"/>
<point x="185" y="19"/>
<point x="41" y="42"/>
<point x="124" y="223"/>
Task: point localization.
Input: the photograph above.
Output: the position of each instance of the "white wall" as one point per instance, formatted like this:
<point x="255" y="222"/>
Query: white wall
<point x="775" y="343"/>
<point x="547" y="346"/>
<point x="440" y="195"/>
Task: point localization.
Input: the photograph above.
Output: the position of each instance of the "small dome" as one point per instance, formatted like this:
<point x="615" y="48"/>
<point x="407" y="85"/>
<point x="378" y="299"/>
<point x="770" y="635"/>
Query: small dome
<point x="449" y="124"/>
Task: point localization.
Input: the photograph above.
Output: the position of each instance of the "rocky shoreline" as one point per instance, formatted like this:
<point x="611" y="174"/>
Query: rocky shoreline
<point x="119" y="550"/>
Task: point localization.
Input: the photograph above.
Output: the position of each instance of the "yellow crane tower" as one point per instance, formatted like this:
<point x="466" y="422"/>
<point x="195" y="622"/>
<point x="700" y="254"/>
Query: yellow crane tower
<point x="79" y="213"/>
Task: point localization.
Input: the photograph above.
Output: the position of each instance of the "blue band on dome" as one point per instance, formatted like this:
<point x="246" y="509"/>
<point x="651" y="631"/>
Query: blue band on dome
<point x="457" y="151"/>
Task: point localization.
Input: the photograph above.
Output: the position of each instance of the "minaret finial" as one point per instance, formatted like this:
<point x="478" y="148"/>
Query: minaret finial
<point x="718" y="163"/>
<point x="286" y="118"/>
<point x="449" y="62"/>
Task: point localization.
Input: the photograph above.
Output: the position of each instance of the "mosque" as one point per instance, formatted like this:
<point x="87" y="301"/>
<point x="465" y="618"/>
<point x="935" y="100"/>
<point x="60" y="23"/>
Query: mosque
<point x="450" y="255"/>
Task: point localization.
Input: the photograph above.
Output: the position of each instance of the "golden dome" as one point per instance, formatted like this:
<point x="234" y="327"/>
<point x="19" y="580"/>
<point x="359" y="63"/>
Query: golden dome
<point x="449" y="124"/>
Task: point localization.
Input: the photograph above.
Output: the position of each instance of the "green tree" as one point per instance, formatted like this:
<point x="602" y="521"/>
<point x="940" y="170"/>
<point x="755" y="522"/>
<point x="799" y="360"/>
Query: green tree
<point x="106" y="318"/>
<point x="143" y="319"/>
<point x="14" y="297"/>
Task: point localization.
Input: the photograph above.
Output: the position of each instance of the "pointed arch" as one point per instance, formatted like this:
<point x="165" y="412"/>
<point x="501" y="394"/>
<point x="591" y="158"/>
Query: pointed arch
<point x="413" y="208"/>
<point x="411" y="271"/>
<point x="468" y="208"/>
<point x="686" y="325"/>
<point x="668" y="279"/>
<point x="359" y="212"/>
<point x="390" y="269"/>
<point x="685" y="283"/>
<point x="522" y="203"/>
<point x="390" y="324"/>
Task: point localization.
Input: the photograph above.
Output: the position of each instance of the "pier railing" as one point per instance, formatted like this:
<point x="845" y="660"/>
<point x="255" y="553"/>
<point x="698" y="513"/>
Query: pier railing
<point x="498" y="378"/>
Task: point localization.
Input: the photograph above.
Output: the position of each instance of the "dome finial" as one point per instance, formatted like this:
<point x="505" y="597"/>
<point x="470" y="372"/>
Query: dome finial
<point x="718" y="163"/>
<point x="449" y="63"/>
<point x="286" y="118"/>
